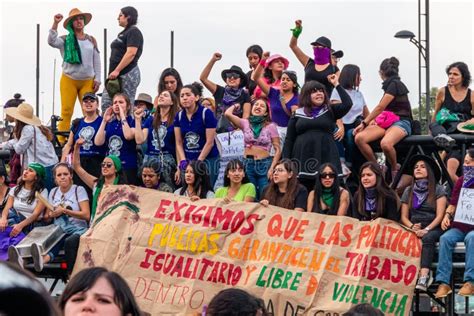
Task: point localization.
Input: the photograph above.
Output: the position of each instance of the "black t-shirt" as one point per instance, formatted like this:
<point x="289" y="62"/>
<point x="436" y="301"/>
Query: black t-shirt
<point x="221" y="107"/>
<point x="400" y="105"/>
<point x="310" y="73"/>
<point x="426" y="213"/>
<point x="130" y="37"/>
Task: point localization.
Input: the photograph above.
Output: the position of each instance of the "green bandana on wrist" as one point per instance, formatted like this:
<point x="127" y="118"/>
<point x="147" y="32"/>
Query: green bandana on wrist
<point x="297" y="31"/>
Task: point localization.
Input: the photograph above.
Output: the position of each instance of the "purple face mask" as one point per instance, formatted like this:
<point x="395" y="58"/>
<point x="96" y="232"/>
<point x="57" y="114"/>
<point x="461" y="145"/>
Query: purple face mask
<point x="322" y="55"/>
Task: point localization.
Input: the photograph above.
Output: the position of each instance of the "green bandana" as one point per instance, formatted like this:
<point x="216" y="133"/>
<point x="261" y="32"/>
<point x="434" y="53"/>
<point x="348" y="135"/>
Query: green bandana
<point x="297" y="31"/>
<point x="256" y="124"/>
<point x="72" y="52"/>
<point x="95" y="196"/>
<point x="327" y="197"/>
<point x="116" y="161"/>
<point x="38" y="168"/>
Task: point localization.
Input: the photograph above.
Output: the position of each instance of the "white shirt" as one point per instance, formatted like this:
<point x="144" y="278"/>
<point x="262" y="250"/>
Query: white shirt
<point x="358" y="103"/>
<point x="20" y="202"/>
<point x="209" y="194"/>
<point x="56" y="198"/>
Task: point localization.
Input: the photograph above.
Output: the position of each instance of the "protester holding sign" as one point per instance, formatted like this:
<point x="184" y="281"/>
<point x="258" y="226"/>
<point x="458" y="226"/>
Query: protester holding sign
<point x="195" y="130"/>
<point x="423" y="206"/>
<point x="236" y="184"/>
<point x="260" y="135"/>
<point x="328" y="197"/>
<point x="459" y="216"/>
<point x="117" y="131"/>
<point x="284" y="189"/>
<point x="196" y="182"/>
<point x="71" y="212"/>
<point x="375" y="198"/>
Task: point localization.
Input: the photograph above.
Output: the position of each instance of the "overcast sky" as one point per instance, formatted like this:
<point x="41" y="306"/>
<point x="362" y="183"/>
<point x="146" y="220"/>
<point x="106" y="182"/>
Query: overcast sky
<point x="362" y="29"/>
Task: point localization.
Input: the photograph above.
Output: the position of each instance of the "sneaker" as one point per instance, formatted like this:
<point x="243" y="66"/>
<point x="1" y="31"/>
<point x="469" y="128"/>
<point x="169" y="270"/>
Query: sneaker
<point x="424" y="282"/>
<point x="444" y="141"/>
<point x="467" y="289"/>
<point x="37" y="257"/>
<point x="14" y="256"/>
<point x="443" y="291"/>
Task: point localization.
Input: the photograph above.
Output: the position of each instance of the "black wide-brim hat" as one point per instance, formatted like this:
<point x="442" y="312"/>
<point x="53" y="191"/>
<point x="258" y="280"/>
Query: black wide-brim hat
<point x="236" y="69"/>
<point x="322" y="41"/>
<point x="428" y="160"/>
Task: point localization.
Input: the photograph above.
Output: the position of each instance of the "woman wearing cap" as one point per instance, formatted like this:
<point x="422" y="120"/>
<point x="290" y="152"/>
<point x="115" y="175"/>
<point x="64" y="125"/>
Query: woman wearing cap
<point x="319" y="67"/>
<point x="374" y="198"/>
<point x="81" y="62"/>
<point x="423" y="206"/>
<point x="260" y="137"/>
<point x="117" y="131"/>
<point x="151" y="176"/>
<point x="309" y="137"/>
<point x="32" y="140"/>
<point x="23" y="209"/>
<point x="394" y="123"/>
<point x="125" y="52"/>
<point x="111" y="174"/>
<point x="170" y="80"/>
<point x="71" y="212"/>
<point x="284" y="189"/>
<point x="327" y="196"/>
<point x="195" y="130"/>
<point x="86" y="128"/>
<point x="454" y="104"/>
<point x="254" y="55"/>
<point x="158" y="133"/>
<point x="232" y="93"/>
<point x="196" y="182"/>
<point x="283" y="100"/>
<point x="273" y="69"/>
<point x="457" y="231"/>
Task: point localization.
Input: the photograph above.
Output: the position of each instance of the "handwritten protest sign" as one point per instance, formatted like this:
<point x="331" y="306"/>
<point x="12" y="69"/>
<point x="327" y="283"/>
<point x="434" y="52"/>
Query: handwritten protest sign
<point x="465" y="207"/>
<point x="231" y="146"/>
<point x="177" y="254"/>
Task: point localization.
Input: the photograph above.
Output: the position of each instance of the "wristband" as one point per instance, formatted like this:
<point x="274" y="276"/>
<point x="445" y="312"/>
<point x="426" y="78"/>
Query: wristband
<point x="263" y="63"/>
<point x="183" y="164"/>
<point x="297" y="31"/>
<point x="123" y="121"/>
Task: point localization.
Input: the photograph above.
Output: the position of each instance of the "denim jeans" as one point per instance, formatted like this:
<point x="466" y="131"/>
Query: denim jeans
<point x="256" y="171"/>
<point x="447" y="242"/>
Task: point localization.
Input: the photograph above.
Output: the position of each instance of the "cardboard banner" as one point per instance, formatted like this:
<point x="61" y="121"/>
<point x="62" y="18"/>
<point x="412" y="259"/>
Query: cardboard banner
<point x="177" y="254"/>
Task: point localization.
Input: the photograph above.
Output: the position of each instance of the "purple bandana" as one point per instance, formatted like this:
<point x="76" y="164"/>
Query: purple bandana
<point x="316" y="111"/>
<point x="420" y="192"/>
<point x="468" y="176"/>
<point x="322" y="55"/>
<point x="231" y="95"/>
<point x="370" y="199"/>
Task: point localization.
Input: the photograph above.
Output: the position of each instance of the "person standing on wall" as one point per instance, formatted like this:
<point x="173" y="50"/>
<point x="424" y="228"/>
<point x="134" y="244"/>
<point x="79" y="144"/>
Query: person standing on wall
<point x="81" y="62"/>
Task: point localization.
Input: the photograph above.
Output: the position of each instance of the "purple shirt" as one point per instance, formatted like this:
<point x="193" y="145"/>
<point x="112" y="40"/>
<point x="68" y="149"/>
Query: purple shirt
<point x="279" y="116"/>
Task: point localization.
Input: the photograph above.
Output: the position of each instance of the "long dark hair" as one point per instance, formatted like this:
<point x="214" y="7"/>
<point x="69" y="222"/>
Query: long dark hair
<point x="202" y="183"/>
<point x="294" y="78"/>
<point x="234" y="164"/>
<point x="174" y="108"/>
<point x="304" y="99"/>
<point x="170" y="72"/>
<point x="85" y="280"/>
<point x="286" y="200"/>
<point x="318" y="190"/>
<point x="19" y="125"/>
<point x="431" y="199"/>
<point x="38" y="186"/>
<point x="381" y="187"/>
<point x="349" y="77"/>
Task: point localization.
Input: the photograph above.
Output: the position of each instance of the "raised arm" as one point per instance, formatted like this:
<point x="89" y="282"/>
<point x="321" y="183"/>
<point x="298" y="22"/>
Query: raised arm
<point x="302" y="57"/>
<point x="258" y="74"/>
<point x="86" y="177"/>
<point x="234" y="119"/>
<point x="67" y="147"/>
<point x="99" y="138"/>
<point x="53" y="39"/>
<point x="141" y="134"/>
<point x="211" y="86"/>
<point x="128" y="131"/>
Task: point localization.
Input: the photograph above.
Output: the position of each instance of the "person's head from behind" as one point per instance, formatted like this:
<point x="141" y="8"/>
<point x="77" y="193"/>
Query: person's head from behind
<point x="13" y="103"/>
<point x="98" y="291"/>
<point x="235" y="173"/>
<point x="235" y="302"/>
<point x="389" y="68"/>
<point x="350" y="77"/>
<point x="364" y="309"/>
<point x="254" y="54"/>
<point x="458" y="74"/>
<point x="170" y="80"/>
<point x="150" y="173"/>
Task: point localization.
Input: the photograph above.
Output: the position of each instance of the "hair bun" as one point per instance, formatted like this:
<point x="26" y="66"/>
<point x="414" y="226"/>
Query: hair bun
<point x="394" y="62"/>
<point x="17" y="96"/>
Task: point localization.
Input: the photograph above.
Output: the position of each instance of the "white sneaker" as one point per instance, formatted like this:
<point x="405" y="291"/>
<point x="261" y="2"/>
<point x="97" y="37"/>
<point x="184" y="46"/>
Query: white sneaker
<point x="14" y="256"/>
<point x="37" y="257"/>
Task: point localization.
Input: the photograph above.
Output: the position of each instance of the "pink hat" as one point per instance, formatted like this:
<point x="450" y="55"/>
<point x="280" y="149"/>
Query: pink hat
<point x="275" y="57"/>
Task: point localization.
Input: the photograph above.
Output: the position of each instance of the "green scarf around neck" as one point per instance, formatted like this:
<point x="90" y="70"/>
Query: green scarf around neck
<point x="256" y="124"/>
<point x="328" y="197"/>
<point x="72" y="52"/>
<point x="95" y="196"/>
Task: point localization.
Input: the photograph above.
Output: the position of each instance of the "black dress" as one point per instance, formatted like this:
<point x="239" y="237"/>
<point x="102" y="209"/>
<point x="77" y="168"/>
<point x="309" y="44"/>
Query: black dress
<point x="310" y="141"/>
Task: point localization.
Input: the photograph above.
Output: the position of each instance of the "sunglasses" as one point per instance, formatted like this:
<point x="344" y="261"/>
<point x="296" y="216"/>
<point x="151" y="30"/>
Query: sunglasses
<point x="327" y="176"/>
<point x="107" y="164"/>
<point x="234" y="75"/>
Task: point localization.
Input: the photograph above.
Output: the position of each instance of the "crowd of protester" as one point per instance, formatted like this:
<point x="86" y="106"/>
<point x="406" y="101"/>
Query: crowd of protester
<point x="299" y="145"/>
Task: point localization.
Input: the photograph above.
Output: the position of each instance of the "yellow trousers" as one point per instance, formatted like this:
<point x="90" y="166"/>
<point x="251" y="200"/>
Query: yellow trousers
<point x="70" y="90"/>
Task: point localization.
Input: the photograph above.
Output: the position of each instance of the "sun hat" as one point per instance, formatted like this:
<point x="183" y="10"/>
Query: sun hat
<point x="323" y="41"/>
<point x="236" y="69"/>
<point x="145" y="98"/>
<point x="24" y="113"/>
<point x="466" y="127"/>
<point x="76" y="12"/>
<point x="274" y="57"/>
<point x="428" y="160"/>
